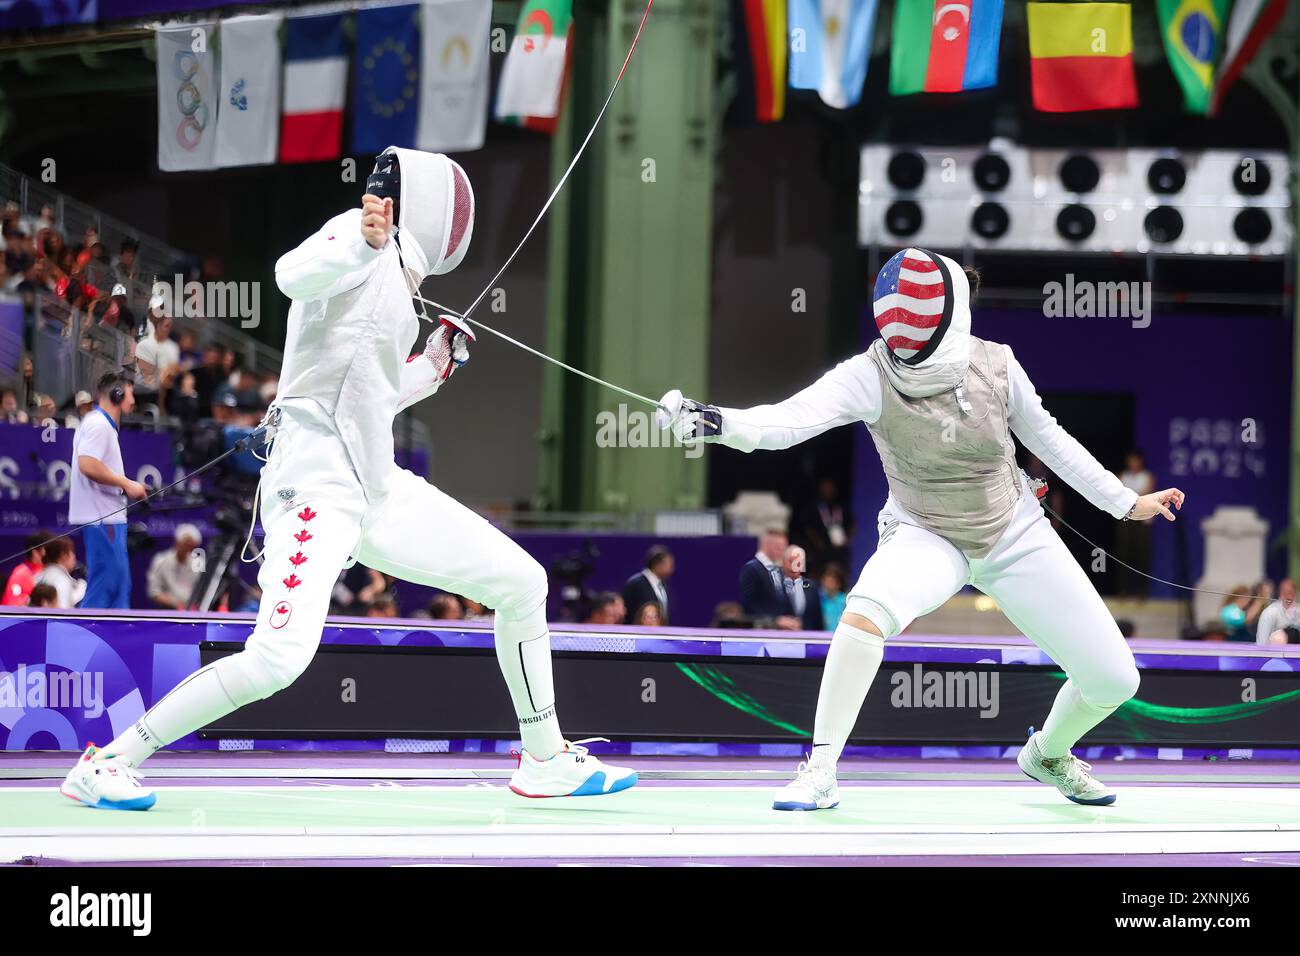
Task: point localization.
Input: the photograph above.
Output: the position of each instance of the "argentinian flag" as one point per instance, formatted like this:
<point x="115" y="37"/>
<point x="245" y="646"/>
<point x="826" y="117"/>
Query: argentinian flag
<point x="830" y="44"/>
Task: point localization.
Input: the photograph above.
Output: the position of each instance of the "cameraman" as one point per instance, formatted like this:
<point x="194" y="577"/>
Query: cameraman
<point x="98" y="491"/>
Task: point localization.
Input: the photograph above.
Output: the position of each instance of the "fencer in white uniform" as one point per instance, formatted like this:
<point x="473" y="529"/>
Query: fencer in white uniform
<point x="331" y="492"/>
<point x="941" y="406"/>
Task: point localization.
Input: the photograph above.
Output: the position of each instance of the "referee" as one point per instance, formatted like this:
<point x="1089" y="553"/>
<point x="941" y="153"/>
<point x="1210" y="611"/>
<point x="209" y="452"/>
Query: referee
<point x="100" y="490"/>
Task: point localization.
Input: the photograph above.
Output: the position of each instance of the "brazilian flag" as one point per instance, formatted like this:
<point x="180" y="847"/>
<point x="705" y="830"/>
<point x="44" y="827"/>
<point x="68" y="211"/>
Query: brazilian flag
<point x="1192" y="31"/>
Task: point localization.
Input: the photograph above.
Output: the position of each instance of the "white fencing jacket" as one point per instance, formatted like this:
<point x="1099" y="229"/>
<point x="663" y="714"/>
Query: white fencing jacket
<point x="851" y="392"/>
<point x="352" y="326"/>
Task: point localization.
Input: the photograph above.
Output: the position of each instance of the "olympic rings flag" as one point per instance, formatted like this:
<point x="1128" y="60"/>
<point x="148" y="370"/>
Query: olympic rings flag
<point x="187" y="97"/>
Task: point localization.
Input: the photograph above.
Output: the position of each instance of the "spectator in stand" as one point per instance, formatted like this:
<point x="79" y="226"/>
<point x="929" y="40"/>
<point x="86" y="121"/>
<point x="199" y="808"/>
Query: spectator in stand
<point x="1133" y="538"/>
<point x="10" y="412"/>
<point x="174" y="572"/>
<point x="43" y="410"/>
<point x="607" y="608"/>
<point x="23" y="577"/>
<point x="191" y="357"/>
<point x="157" y="362"/>
<point x="729" y="614"/>
<point x="1240" y="614"/>
<point x="762" y="584"/>
<point x="835" y="586"/>
<point x="824" y="526"/>
<point x="801" y="594"/>
<point x="183" y="400"/>
<point x="60" y="561"/>
<point x="44" y="595"/>
<point x="99" y="492"/>
<point x="384" y="606"/>
<point x="82" y="405"/>
<point x="1279" y="623"/>
<point x="475" y="611"/>
<point x="649" y="615"/>
<point x="209" y="376"/>
<point x="446" y="607"/>
<point x="124" y="269"/>
<point x="357" y="588"/>
<point x="651" y="583"/>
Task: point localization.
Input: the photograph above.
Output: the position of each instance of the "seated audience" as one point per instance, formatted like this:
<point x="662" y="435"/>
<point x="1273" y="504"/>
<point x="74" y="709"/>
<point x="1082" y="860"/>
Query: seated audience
<point x="834" y="584"/>
<point x="44" y="595"/>
<point x="1279" y="623"/>
<point x="650" y="584"/>
<point x="762" y="584"/>
<point x="607" y="608"/>
<point x="801" y="595"/>
<point x="729" y="614"/>
<point x="172" y="574"/>
<point x="648" y="615"/>
<point x="60" y="560"/>
<point x="446" y="607"/>
<point x="384" y="606"/>
<point x="23" y="577"/>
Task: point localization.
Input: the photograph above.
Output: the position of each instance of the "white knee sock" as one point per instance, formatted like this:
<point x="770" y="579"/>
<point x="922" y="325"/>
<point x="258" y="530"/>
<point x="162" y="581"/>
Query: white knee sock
<point x="198" y="700"/>
<point x="524" y="654"/>
<point x="851" y="666"/>
<point x="1071" y="717"/>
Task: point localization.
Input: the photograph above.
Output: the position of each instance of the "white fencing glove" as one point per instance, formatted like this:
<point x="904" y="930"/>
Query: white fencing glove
<point x="690" y="420"/>
<point x="448" y="347"/>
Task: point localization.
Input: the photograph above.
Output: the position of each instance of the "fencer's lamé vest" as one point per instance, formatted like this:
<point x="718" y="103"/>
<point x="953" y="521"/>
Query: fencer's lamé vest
<point x="345" y="354"/>
<point x="954" y="471"/>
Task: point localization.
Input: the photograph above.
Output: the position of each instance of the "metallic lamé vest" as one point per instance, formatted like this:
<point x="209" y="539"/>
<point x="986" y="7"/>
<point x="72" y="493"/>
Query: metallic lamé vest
<point x="954" y="471"/>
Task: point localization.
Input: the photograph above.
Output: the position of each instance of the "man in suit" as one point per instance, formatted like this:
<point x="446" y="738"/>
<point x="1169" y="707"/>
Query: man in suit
<point x="762" y="584"/>
<point x="650" y="584"/>
<point x="801" y="595"/>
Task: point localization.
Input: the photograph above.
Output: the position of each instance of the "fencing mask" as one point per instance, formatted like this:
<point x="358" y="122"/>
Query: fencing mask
<point x="433" y="207"/>
<point x="922" y="308"/>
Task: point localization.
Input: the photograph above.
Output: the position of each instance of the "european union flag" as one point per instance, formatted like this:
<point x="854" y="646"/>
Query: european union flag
<point x="387" y="80"/>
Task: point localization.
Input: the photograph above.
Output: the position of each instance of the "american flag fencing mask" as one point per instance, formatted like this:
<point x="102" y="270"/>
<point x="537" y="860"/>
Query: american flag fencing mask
<point x="914" y="302"/>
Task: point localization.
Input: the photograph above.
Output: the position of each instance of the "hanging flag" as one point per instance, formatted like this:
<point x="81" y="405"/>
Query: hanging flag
<point x="760" y="31"/>
<point x="315" y="87"/>
<point x="249" y="116"/>
<point x="1081" y="56"/>
<point x="386" y="78"/>
<point x="830" y="44"/>
<point x="1251" y="22"/>
<point x="532" y="79"/>
<point x="187" y="96"/>
<point x="943" y="47"/>
<point x="453" y="74"/>
<point x="1192" y="31"/>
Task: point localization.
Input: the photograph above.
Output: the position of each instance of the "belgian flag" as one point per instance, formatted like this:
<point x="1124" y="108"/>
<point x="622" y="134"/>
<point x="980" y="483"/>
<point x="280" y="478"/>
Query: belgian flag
<point x="1081" y="56"/>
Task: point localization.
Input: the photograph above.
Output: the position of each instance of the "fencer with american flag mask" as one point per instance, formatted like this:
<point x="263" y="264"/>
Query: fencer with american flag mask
<point x="331" y="492"/>
<point x="941" y="406"/>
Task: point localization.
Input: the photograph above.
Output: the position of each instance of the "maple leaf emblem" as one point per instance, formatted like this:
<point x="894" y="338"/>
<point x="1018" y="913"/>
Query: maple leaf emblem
<point x="292" y="581"/>
<point x="298" y="559"/>
<point x="306" y="514"/>
<point x="303" y="536"/>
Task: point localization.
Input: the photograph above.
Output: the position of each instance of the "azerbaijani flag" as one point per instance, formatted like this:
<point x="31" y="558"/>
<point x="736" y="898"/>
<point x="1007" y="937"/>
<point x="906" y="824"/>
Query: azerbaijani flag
<point x="1081" y="56"/>
<point x="315" y="86"/>
<point x="943" y="47"/>
<point x="1191" y="30"/>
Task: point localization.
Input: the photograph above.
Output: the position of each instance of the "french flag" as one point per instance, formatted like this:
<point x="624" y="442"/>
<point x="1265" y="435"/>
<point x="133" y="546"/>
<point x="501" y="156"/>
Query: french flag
<point x="315" y="85"/>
